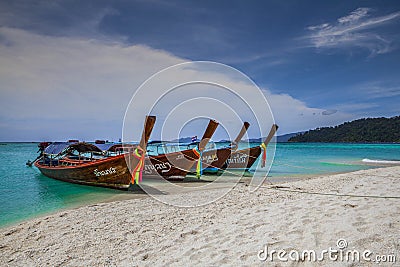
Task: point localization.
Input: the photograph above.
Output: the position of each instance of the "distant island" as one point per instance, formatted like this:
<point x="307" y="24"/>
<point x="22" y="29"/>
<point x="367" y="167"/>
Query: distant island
<point x="280" y="138"/>
<point x="368" y="130"/>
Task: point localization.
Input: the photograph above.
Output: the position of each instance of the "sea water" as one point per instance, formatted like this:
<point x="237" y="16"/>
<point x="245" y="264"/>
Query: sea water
<point x="26" y="193"/>
<point x="323" y="158"/>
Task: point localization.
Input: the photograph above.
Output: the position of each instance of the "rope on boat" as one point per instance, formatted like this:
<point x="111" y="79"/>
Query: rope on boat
<point x="264" y="155"/>
<point x="138" y="171"/>
<point x="199" y="166"/>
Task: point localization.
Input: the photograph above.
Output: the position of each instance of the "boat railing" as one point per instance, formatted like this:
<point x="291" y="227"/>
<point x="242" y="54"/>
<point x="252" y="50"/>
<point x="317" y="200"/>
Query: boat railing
<point x="50" y="162"/>
<point x="168" y="147"/>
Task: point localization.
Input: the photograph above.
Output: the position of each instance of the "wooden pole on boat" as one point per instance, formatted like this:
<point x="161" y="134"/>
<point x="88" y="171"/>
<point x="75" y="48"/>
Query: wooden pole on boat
<point x="264" y="145"/>
<point x="242" y="132"/>
<point x="137" y="163"/>
<point x="212" y="126"/>
<point x="148" y="128"/>
<point x="271" y="134"/>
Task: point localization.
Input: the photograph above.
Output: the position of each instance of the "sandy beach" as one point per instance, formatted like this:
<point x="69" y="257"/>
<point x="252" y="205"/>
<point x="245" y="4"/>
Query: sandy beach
<point x="360" y="209"/>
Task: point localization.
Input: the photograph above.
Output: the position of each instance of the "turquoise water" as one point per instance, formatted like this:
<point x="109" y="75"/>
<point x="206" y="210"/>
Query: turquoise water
<point x="25" y="193"/>
<point x="322" y="158"/>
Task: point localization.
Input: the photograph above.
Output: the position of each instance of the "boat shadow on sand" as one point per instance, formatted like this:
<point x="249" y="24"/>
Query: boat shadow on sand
<point x="150" y="189"/>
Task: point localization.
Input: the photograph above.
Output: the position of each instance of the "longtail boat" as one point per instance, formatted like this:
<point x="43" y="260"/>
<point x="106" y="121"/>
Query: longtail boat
<point x="176" y="165"/>
<point x="213" y="160"/>
<point x="111" y="172"/>
<point x="243" y="159"/>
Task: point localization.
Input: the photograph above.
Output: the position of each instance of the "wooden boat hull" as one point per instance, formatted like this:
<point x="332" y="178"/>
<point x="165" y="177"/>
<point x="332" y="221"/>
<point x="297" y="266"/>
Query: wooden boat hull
<point x="110" y="172"/>
<point x="172" y="166"/>
<point x="175" y="166"/>
<point x="114" y="173"/>
<point x="243" y="159"/>
<point x="213" y="160"/>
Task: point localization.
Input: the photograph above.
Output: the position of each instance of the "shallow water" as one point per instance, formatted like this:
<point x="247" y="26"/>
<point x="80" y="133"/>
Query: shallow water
<point x="321" y="158"/>
<point x="26" y="193"/>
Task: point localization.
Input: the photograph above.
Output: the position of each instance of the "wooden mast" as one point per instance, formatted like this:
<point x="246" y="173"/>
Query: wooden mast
<point x="212" y="126"/>
<point x="271" y="134"/>
<point x="241" y="133"/>
<point x="148" y="128"/>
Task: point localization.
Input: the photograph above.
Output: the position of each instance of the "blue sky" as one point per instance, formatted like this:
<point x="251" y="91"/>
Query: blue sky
<point x="313" y="55"/>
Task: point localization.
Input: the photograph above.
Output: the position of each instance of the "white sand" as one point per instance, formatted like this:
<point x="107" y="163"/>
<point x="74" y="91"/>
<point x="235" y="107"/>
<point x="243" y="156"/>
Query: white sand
<point x="230" y="231"/>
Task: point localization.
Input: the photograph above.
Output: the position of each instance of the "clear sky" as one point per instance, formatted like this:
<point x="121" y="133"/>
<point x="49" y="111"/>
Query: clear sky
<point x="69" y="68"/>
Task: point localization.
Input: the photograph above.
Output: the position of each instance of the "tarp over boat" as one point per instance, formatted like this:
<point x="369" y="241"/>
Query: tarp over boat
<point x="115" y="147"/>
<point x="82" y="147"/>
<point x="56" y="148"/>
<point x="104" y="147"/>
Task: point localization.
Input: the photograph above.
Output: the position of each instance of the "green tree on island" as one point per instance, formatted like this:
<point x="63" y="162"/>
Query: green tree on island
<point x="369" y="130"/>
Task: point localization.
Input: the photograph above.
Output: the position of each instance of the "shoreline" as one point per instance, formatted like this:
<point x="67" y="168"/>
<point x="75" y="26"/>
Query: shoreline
<point x="123" y="195"/>
<point x="46" y="196"/>
<point x="118" y="196"/>
<point x="230" y="230"/>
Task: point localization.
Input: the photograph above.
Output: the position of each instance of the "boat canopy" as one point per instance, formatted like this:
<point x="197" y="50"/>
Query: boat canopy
<point x="56" y="148"/>
<point x="84" y="147"/>
<point x="121" y="147"/>
<point x="112" y="147"/>
<point x="105" y="147"/>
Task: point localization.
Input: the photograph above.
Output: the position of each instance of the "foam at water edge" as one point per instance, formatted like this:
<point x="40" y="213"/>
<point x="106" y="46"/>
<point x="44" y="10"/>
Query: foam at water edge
<point x="381" y="161"/>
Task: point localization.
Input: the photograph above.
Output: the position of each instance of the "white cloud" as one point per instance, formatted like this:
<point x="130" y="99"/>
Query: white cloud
<point x="68" y="87"/>
<point x="56" y="81"/>
<point x="379" y="91"/>
<point x="353" y="30"/>
<point x="373" y="90"/>
<point x="356" y="108"/>
<point x="355" y="15"/>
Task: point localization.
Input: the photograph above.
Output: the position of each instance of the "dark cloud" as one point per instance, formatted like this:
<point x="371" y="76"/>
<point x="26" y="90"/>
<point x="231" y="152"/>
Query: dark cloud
<point x="329" y="112"/>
